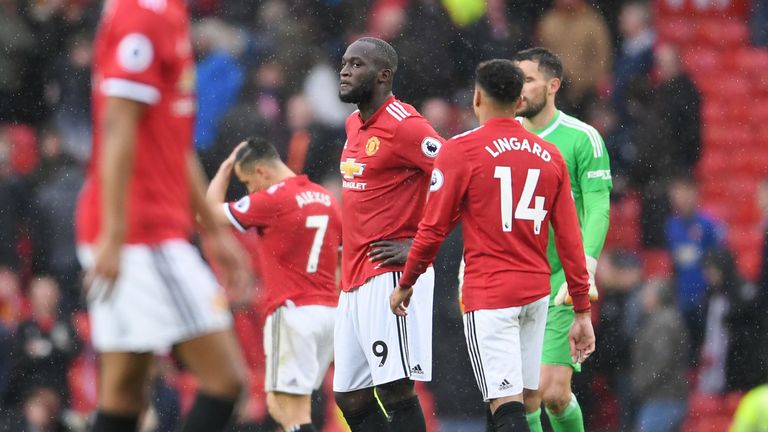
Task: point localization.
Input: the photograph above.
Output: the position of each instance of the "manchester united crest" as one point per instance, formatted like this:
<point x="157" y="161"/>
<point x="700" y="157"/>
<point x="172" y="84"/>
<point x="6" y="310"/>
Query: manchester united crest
<point x="372" y="146"/>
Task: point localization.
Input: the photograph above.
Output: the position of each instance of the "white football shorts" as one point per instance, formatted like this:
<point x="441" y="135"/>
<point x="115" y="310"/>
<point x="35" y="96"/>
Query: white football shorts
<point x="298" y="344"/>
<point x="164" y="294"/>
<point x="505" y="347"/>
<point x="373" y="346"/>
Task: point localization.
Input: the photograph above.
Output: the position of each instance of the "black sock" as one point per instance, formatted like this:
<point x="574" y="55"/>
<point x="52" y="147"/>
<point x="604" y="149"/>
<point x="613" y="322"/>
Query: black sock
<point x="209" y="414"/>
<point x="369" y="419"/>
<point x="306" y="427"/>
<point x="510" y="417"/>
<point x="114" y="423"/>
<point x="489" y="426"/>
<point x="406" y="416"/>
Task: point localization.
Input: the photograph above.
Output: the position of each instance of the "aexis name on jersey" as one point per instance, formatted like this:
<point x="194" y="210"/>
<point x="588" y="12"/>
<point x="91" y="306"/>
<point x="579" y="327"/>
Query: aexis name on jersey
<point x="310" y="197"/>
<point x="502" y="145"/>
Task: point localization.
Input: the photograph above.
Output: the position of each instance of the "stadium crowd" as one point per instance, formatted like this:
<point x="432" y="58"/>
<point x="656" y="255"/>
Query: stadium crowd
<point x="270" y="69"/>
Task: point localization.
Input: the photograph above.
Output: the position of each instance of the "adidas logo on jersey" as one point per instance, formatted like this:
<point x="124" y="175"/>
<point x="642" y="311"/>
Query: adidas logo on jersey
<point x="505" y="385"/>
<point x="417" y="370"/>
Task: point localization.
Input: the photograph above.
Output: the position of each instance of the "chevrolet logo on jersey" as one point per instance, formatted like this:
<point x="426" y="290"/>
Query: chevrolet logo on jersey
<point x="350" y="169"/>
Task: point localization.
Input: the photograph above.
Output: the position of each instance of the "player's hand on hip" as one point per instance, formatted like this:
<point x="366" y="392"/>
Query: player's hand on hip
<point x="390" y="252"/>
<point x="400" y="299"/>
<point x="232" y="262"/>
<point x="563" y="297"/>
<point x="581" y="337"/>
<point x="99" y="281"/>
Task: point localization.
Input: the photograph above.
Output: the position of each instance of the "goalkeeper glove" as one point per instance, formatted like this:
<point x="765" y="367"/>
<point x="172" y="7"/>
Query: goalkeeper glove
<point x="563" y="297"/>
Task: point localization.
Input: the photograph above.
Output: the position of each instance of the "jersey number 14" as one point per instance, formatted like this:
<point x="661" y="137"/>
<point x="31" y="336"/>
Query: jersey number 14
<point x="523" y="211"/>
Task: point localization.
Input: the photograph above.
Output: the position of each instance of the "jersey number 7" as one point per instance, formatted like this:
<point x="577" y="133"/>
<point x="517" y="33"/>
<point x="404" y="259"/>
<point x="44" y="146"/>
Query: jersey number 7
<point x="523" y="211"/>
<point x="320" y="223"/>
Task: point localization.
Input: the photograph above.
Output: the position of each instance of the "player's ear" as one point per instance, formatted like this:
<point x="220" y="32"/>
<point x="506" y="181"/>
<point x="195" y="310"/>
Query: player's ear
<point x="386" y="75"/>
<point x="519" y="103"/>
<point x="554" y="85"/>
<point x="477" y="99"/>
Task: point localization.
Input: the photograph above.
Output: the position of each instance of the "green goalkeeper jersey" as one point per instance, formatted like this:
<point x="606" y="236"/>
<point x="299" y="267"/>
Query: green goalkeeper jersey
<point x="590" y="171"/>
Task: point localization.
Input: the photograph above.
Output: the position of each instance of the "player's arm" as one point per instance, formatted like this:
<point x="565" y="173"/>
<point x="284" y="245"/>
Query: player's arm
<point x="119" y="125"/>
<point x="440" y="216"/>
<point x="221" y="246"/>
<point x="593" y="174"/>
<point x="216" y="194"/>
<point x="570" y="248"/>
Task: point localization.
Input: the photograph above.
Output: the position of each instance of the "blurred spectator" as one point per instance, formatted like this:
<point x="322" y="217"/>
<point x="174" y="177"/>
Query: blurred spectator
<point x="646" y="159"/>
<point x="577" y="33"/>
<point x="42" y="411"/>
<point x="621" y="278"/>
<point x="762" y="205"/>
<point x="736" y="340"/>
<point x="635" y="56"/>
<point x="759" y="22"/>
<point x="313" y="148"/>
<point x="54" y="186"/>
<point x="219" y="79"/>
<point x="18" y="42"/>
<point x="44" y="345"/>
<point x="70" y="94"/>
<point x="12" y="199"/>
<point x="441" y="116"/>
<point x="659" y="362"/>
<point x="680" y="104"/>
<point x="690" y="235"/>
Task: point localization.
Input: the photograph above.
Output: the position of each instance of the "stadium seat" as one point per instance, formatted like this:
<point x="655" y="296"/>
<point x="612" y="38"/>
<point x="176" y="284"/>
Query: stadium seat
<point x="732" y="400"/>
<point x="704" y="405"/>
<point x="24" y="148"/>
<point x="658" y="263"/>
<point x="701" y="60"/>
<point x="722" y="33"/>
<point x="680" y="32"/>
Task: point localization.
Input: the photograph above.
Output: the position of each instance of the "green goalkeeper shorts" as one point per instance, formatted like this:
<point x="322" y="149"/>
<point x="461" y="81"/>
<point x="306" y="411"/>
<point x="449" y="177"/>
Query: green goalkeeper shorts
<point x="557" y="351"/>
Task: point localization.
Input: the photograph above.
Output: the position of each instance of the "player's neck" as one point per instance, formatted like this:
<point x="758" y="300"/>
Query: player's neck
<point x="492" y="112"/>
<point x="542" y="119"/>
<point x="367" y="109"/>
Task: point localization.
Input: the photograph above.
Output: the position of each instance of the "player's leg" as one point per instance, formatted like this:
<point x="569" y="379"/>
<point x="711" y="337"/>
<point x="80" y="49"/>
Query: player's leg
<point x="298" y="343"/>
<point x="352" y="381"/>
<point x="560" y="404"/>
<point x="135" y="320"/>
<point x="414" y="343"/>
<point x="493" y="342"/>
<point x="207" y="346"/>
<point x="292" y="411"/>
<point x="215" y="359"/>
<point x="123" y="390"/>
<point x="532" y="328"/>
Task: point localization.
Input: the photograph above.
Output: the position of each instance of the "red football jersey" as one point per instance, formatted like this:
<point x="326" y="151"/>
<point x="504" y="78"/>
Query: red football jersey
<point x="386" y="166"/>
<point x="506" y="185"/>
<point x="143" y="53"/>
<point x="300" y="233"/>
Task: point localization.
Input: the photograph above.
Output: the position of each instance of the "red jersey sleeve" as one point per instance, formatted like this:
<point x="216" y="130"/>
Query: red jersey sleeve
<point x="252" y="211"/>
<point x="569" y="244"/>
<point x="450" y="181"/>
<point x="418" y="143"/>
<point x="138" y="45"/>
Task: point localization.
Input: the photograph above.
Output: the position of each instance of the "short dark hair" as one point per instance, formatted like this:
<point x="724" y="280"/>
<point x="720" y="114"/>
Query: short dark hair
<point x="256" y="149"/>
<point x="548" y="61"/>
<point x="500" y="79"/>
<point x="385" y="54"/>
